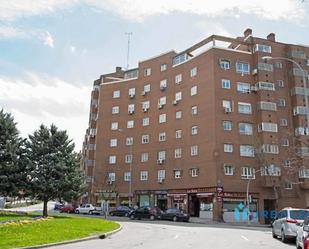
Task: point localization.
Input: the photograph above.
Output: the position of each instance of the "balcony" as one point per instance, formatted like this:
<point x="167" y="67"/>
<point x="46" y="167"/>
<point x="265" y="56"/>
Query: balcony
<point x="270" y="181"/>
<point x="304" y="178"/>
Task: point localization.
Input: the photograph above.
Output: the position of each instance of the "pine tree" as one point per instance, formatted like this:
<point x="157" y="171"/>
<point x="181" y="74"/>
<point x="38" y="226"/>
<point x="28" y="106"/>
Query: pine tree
<point x="54" y="171"/>
<point x="12" y="158"/>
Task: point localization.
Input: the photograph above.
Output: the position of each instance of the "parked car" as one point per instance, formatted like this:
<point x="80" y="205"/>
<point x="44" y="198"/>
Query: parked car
<point x="121" y="211"/>
<point x="287" y="223"/>
<point x="58" y="205"/>
<point x="146" y="212"/>
<point x="302" y="234"/>
<point x="69" y="208"/>
<point x="85" y="209"/>
<point x="175" y="214"/>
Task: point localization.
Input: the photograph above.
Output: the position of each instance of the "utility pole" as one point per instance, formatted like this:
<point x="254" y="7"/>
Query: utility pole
<point x="129" y="34"/>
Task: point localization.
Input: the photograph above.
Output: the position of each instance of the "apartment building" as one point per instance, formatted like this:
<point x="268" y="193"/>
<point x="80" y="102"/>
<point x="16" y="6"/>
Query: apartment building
<point x="192" y="129"/>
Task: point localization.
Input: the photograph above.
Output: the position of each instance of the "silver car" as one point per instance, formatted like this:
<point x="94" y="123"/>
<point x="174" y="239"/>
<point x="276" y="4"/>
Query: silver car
<point x="287" y="223"/>
<point x="302" y="234"/>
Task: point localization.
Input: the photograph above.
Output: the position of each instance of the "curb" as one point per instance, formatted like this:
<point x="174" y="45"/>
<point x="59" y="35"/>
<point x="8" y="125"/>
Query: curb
<point x="100" y="236"/>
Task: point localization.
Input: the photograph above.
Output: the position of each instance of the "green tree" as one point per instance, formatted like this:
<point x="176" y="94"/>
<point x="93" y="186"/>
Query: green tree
<point x="54" y="170"/>
<point x="12" y="158"/>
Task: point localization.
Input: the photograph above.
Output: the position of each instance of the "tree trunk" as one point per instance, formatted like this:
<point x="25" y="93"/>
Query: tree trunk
<point x="45" y="214"/>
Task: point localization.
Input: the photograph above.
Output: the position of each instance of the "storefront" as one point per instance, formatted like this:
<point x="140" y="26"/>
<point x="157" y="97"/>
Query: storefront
<point x="179" y="201"/>
<point x="106" y="195"/>
<point x="206" y="205"/>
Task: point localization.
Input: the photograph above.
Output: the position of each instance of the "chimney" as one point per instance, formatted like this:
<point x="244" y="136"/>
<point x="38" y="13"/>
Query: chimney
<point x="271" y="37"/>
<point x="247" y="32"/>
<point x="118" y="69"/>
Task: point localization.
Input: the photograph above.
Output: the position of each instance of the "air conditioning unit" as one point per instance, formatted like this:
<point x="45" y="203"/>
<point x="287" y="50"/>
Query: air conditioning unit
<point x="143" y="93"/>
<point x="145" y="109"/>
<point x="162" y="88"/>
<point x="161" y="180"/>
<point x="109" y="182"/>
<point x="160" y="161"/>
<point x="175" y="102"/>
<point x="254" y="71"/>
<point x="131" y="95"/>
<point x="254" y="88"/>
<point x="227" y="109"/>
<point x="131" y="112"/>
<point x="160" y="106"/>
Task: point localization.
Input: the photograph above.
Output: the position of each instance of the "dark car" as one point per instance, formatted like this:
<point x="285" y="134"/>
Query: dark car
<point x="58" y="205"/>
<point x="146" y="213"/>
<point x="121" y="211"/>
<point x="67" y="209"/>
<point x="175" y="214"/>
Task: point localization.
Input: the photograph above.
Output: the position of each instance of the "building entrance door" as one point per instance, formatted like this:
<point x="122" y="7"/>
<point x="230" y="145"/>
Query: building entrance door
<point x="269" y="209"/>
<point x="194" y="206"/>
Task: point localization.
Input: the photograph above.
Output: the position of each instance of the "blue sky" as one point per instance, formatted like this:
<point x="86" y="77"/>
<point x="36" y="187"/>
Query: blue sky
<point x="52" y="50"/>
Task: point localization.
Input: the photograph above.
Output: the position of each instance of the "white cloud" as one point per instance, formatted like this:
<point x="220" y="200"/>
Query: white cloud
<point x="39" y="98"/>
<point x="138" y="10"/>
<point x="73" y="49"/>
<point x="47" y="39"/>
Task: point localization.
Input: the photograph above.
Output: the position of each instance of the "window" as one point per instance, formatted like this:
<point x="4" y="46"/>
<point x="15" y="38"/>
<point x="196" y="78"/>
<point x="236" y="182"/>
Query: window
<point x="247" y="173"/>
<point x="127" y="176"/>
<point x="300" y="110"/>
<point x="242" y="68"/>
<point x="130" y="124"/>
<point x="113" y="142"/>
<point x="178" y="134"/>
<point x="177" y="174"/>
<point x="246" y="150"/>
<point x="178" y="78"/>
<point x="162" y="118"/>
<point x="114" y="126"/>
<point x="271" y="170"/>
<point x="180" y="58"/>
<point x="161" y="175"/>
<point x="281" y="102"/>
<point x="287" y="163"/>
<point x="228" y="148"/>
<point x="116" y="94"/>
<point x="268" y="127"/>
<point x="228" y="169"/>
<point x="144" y="157"/>
<point x="147" y="71"/>
<point x="270" y="148"/>
<point x="224" y="64"/>
<point x="145" y="139"/>
<point x="278" y="65"/>
<point x="178" y="114"/>
<point x="129" y="141"/>
<point x="262" y="48"/>
<point x="267" y="106"/>
<point x="193" y="90"/>
<point x="227" y="105"/>
<point x="283" y="122"/>
<point x="162" y="102"/>
<point x="145" y="106"/>
<point x="162" y="136"/>
<point x="194" y="130"/>
<point x="115" y="109"/>
<point x="265" y="67"/>
<point x="178" y="96"/>
<point x="145" y="121"/>
<point x="112" y="159"/>
<point x="280" y="83"/>
<point x="131" y="108"/>
<point x="301" y="131"/>
<point x="111" y="177"/>
<point x="161" y="155"/>
<point x="285" y="142"/>
<point x="144" y="175"/>
<point x="131" y="92"/>
<point x="227" y="125"/>
<point x="163" y="67"/>
<point x="193" y="72"/>
<point x="245" y="129"/>
<point x="225" y="84"/>
<point x="128" y="159"/>
<point x="244" y="108"/>
<point x="243" y="87"/>
<point x="194" y="172"/>
<point x="288" y="185"/>
<point x="163" y="84"/>
<point x="194" y="150"/>
<point x="178" y="153"/>
<point x="147" y="88"/>
<point x="194" y="110"/>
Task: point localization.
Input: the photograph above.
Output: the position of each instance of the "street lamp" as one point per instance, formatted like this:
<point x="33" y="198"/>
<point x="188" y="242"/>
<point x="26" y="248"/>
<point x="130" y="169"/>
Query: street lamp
<point x="304" y="73"/>
<point x="130" y="168"/>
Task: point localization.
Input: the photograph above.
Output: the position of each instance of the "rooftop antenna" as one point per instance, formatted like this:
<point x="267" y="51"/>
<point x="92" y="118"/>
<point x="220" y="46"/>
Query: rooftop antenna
<point x="129" y="34"/>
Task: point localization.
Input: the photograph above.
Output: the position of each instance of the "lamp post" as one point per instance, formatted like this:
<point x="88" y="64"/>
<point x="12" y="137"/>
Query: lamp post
<point x="304" y="75"/>
<point x="130" y="170"/>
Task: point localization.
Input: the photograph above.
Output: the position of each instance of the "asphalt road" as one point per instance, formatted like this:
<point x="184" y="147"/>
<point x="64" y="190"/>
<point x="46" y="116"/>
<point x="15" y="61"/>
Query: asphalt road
<point x="157" y="235"/>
